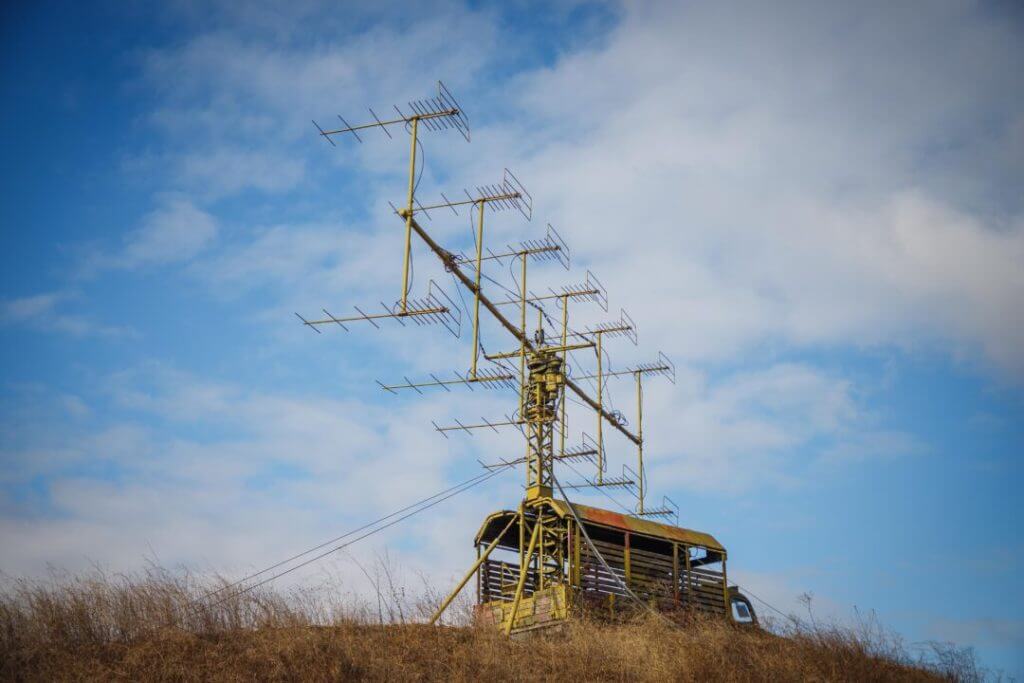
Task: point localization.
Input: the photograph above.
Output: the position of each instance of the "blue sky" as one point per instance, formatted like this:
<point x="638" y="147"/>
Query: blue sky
<point x="814" y="210"/>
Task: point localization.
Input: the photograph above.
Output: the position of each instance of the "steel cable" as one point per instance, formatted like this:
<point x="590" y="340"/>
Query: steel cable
<point x="447" y="493"/>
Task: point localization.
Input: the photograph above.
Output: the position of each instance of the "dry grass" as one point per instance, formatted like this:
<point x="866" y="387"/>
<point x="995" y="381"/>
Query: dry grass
<point x="159" y="626"/>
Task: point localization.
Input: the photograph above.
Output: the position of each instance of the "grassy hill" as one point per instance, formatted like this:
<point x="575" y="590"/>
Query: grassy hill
<point x="162" y="627"/>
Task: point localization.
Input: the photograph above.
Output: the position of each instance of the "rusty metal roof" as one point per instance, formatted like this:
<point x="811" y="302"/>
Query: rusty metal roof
<point x="637" y="525"/>
<point x="615" y="520"/>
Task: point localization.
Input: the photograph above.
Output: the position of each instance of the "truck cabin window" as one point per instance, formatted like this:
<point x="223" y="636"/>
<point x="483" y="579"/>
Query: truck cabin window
<point x="740" y="612"/>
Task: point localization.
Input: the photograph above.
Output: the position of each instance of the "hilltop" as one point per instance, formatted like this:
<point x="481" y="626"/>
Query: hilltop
<point x="159" y="627"/>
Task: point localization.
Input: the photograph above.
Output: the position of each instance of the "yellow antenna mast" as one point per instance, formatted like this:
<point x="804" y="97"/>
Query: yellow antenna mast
<point x="548" y="565"/>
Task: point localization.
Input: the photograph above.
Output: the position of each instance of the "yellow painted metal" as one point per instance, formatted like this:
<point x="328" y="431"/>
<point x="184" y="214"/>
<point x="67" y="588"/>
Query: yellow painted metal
<point x="476" y="297"/>
<point x="725" y="587"/>
<point x="565" y="353"/>
<point x="675" y="573"/>
<point x="523" y="340"/>
<point x="523" y="571"/>
<point x="480" y="560"/>
<point x="570" y="555"/>
<point x="520" y="352"/>
<point x="552" y="559"/>
<point x="689" y="574"/>
<point x="538" y="559"/>
<point x="543" y="391"/>
<point x="553" y="550"/>
<point x="452" y="266"/>
<point x="576" y="559"/>
<point x="600" y="410"/>
<point x="522" y="536"/>
<point x="409" y="213"/>
<point x="640" y="444"/>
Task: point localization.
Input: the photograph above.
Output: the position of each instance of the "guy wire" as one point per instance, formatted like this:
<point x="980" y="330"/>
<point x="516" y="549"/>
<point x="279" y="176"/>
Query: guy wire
<point x="359" y="538"/>
<point x="471" y="481"/>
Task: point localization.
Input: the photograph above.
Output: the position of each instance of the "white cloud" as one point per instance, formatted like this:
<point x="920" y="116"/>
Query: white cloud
<point x="215" y="474"/>
<point x="791" y="189"/>
<point x="175" y="231"/>
<point x="774" y="427"/>
<point x="43" y="312"/>
<point x="225" y="171"/>
<point x="32" y="306"/>
<point x="811" y="176"/>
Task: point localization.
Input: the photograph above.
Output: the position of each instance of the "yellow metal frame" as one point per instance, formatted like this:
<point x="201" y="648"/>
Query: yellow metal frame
<point x="554" y="541"/>
<point x="558" y="590"/>
<point x="409" y="212"/>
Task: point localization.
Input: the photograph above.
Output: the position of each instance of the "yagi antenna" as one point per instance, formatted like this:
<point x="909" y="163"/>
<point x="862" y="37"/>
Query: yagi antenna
<point x="662" y="367"/>
<point x="434" y="113"/>
<point x="483" y="424"/>
<point x="488" y="378"/>
<point x="623" y="327"/>
<point x="584" y="452"/>
<point x="667" y="510"/>
<point x="435" y="308"/>
<point x="508" y="194"/>
<point x="588" y="290"/>
<point x="551" y="247"/>
<point x="626" y="482"/>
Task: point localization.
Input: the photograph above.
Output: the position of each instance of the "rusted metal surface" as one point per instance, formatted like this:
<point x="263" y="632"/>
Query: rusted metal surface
<point x="617" y="520"/>
<point x="613" y="520"/>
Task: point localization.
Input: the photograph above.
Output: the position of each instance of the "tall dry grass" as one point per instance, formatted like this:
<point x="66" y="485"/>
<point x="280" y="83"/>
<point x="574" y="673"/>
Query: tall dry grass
<point x="160" y="625"/>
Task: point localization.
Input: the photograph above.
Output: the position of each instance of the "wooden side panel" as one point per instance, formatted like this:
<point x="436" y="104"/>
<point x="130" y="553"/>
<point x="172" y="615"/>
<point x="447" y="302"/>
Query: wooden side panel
<point x="498" y="580"/>
<point x="652" y="576"/>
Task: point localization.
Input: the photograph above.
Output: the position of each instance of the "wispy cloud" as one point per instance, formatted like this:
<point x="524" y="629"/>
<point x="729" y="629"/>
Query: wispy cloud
<point x="226" y="171"/>
<point x="175" y="231"/>
<point x="792" y="193"/>
<point x="769" y="427"/>
<point x="784" y="195"/>
<point x="45" y="312"/>
<point x="186" y="463"/>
